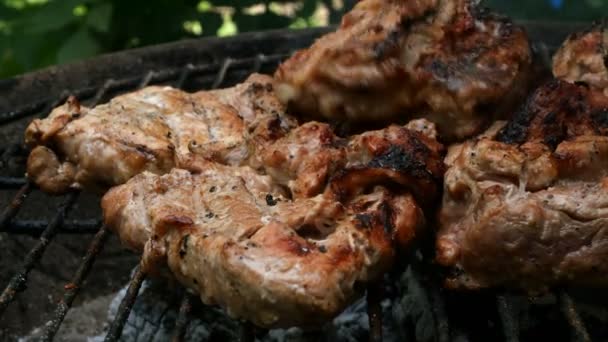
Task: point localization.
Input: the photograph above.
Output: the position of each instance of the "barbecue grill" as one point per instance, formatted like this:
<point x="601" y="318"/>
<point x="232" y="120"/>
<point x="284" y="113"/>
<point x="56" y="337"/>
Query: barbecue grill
<point x="205" y="64"/>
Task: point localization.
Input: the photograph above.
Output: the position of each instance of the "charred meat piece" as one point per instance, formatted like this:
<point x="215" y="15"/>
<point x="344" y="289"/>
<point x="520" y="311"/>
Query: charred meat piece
<point x="304" y="159"/>
<point x="311" y="155"/>
<point x="449" y="61"/>
<point x="584" y="57"/>
<point x="295" y="244"/>
<point x="525" y="206"/>
<point x="153" y="129"/>
<point x="233" y="237"/>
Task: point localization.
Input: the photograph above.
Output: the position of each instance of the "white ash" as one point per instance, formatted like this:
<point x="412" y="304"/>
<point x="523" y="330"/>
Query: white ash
<point x="154" y="314"/>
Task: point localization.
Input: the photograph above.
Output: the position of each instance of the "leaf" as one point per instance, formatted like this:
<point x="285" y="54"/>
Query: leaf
<point x="35" y="50"/>
<point x="52" y="16"/>
<point x="308" y="8"/>
<point x="80" y="45"/>
<point x="99" y="17"/>
<point x="228" y="27"/>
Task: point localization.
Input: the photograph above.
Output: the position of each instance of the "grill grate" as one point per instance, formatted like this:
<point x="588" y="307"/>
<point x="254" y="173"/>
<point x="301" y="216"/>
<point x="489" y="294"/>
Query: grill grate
<point x="215" y="75"/>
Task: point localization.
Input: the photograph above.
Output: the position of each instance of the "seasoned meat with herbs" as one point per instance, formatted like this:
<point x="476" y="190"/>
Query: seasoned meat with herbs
<point x="252" y="244"/>
<point x="449" y="61"/>
<point x="526" y="206"/>
<point x="232" y="236"/>
<point x="153" y="129"/>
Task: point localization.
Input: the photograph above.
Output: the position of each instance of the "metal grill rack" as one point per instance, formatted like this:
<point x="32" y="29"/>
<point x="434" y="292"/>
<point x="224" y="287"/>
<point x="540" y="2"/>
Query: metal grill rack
<point x="216" y="74"/>
<point x="48" y="230"/>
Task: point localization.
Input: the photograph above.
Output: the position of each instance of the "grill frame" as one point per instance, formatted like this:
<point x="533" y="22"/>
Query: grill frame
<point x="216" y="61"/>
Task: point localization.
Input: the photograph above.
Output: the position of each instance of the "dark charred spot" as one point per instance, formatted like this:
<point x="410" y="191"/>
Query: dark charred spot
<point x="183" y="249"/>
<point x="389" y="44"/>
<point x="600" y="118"/>
<point x="397" y="159"/>
<point x="274" y="128"/>
<point x="143" y="149"/>
<point x="507" y="28"/>
<point x="516" y="131"/>
<point x="312" y="232"/>
<point x="386" y="216"/>
<point x="481" y="13"/>
<point x="75" y="115"/>
<point x="209" y="215"/>
<point x="364" y="221"/>
<point x="268" y="87"/>
<point x="271" y="201"/>
<point x="550" y="118"/>
<point x="255" y="87"/>
<point x="212" y="189"/>
<point x="554" y="137"/>
<point x="322" y="249"/>
<point x="168" y="134"/>
<point x="439" y="69"/>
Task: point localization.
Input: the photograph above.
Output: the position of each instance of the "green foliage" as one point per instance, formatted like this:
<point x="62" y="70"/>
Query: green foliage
<point x="37" y="33"/>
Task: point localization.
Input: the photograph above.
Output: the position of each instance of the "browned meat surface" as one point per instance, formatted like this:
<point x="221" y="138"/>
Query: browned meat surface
<point x="231" y="236"/>
<point x="526" y="206"/>
<point x="244" y="241"/>
<point x="306" y="158"/>
<point x="583" y="58"/>
<point x="446" y="60"/>
<point x="153" y="129"/>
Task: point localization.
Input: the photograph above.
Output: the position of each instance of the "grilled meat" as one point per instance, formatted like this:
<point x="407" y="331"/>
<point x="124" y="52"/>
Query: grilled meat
<point x="306" y="158"/>
<point x="232" y="237"/>
<point x="153" y="129"/>
<point x="277" y="257"/>
<point x="525" y="205"/>
<point x="583" y="58"/>
<point x="447" y="60"/>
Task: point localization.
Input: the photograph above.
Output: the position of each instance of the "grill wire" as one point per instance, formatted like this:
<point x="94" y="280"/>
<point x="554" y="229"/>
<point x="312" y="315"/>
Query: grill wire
<point x="47" y="230"/>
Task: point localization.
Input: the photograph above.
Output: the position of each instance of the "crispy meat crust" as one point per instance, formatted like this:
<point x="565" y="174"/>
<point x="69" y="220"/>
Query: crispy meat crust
<point x="153" y="129"/>
<point x="449" y="61"/>
<point x="292" y="246"/>
<point x="584" y="57"/>
<point x="238" y="242"/>
<point x="525" y="206"/>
